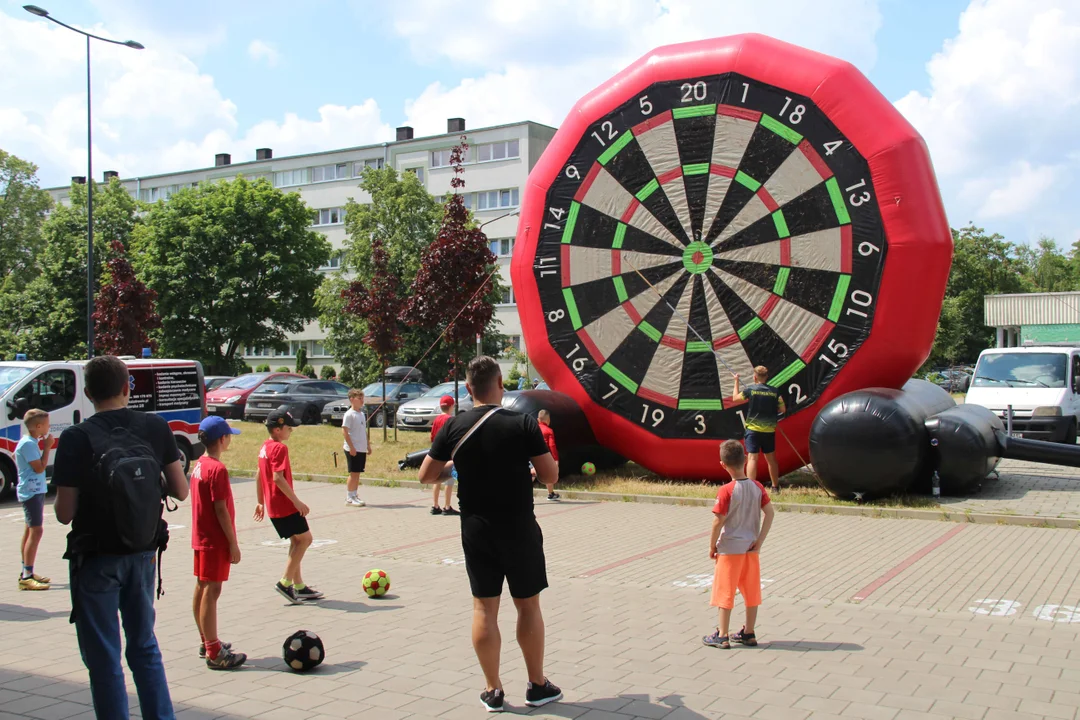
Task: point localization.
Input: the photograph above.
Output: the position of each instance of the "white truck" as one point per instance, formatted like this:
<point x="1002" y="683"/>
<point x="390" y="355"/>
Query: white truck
<point x="172" y="389"/>
<point x="1040" y="382"/>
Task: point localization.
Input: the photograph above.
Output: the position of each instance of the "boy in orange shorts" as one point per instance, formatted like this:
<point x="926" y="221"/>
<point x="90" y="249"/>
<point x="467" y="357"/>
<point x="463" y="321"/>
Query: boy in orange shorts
<point x="738" y="533"/>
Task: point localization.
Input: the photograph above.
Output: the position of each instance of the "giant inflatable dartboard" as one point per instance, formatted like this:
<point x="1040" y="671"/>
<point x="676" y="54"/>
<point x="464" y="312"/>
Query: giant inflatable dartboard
<point x="718" y="206"/>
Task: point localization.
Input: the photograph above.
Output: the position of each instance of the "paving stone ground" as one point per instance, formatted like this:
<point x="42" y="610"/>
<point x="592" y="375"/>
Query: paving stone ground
<point x="863" y="618"/>
<point x="1024" y="488"/>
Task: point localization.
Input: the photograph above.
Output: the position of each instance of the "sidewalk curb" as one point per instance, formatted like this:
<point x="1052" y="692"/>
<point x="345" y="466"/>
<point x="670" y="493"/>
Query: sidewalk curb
<point x="943" y="514"/>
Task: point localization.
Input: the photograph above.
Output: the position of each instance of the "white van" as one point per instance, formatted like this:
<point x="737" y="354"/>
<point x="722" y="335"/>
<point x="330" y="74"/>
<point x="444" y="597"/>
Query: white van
<point x="172" y="389"/>
<point x="1040" y="382"/>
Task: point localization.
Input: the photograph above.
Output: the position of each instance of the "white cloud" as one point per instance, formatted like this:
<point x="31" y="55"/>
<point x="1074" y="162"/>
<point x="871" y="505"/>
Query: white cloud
<point x="537" y="57"/>
<point x="1001" y="114"/>
<point x="154" y="110"/>
<point x="261" y="51"/>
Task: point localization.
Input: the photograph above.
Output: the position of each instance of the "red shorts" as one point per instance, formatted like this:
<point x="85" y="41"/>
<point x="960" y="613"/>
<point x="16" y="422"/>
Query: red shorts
<point x="212" y="565"/>
<point x="741" y="572"/>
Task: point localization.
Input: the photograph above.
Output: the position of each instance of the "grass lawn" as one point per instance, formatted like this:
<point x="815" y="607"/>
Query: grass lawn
<point x="312" y="448"/>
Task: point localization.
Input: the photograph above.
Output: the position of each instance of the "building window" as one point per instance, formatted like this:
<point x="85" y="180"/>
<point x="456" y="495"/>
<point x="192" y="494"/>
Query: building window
<point x="515" y="342"/>
<point x="158" y="193"/>
<point x="440" y="158"/>
<point x="360" y="166"/>
<point x="326" y="173"/>
<point x="498" y="151"/>
<point x="329" y="216"/>
<point x="287" y="178"/>
<point x="334" y="263"/>
<point x="502" y="247"/>
<point x="317" y="349"/>
<point x="497" y="199"/>
<point x="417" y="171"/>
<point x="507" y="297"/>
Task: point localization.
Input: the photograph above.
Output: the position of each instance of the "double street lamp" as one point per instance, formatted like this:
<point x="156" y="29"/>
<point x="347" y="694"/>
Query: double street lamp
<point x="41" y="12"/>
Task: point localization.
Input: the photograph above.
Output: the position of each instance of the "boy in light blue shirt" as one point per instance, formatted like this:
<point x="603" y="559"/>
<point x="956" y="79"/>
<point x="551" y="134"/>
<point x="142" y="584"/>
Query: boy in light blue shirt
<point x="31" y="462"/>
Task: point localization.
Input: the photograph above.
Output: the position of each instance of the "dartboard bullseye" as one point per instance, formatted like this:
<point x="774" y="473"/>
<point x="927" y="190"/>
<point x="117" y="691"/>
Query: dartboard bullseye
<point x="698" y="219"/>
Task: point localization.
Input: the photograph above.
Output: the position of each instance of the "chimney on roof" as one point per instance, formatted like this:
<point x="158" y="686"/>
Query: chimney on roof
<point x="109" y="174"/>
<point x="222" y="159"/>
<point x="455" y="125"/>
<point x="264" y="154"/>
<point x="78" y="180"/>
<point x="404" y="133"/>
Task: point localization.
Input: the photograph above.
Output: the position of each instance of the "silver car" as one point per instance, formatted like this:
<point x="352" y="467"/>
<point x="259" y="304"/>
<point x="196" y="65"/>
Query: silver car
<point x="418" y="414"/>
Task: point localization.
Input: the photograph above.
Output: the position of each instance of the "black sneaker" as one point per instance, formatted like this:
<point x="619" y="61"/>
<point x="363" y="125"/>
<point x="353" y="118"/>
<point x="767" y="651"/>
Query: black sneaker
<point x="289" y="593"/>
<point x="308" y="593"/>
<point x="226" y="660"/>
<point x="436" y="510"/>
<point x="450" y="511"/>
<point x="493" y="700"/>
<point x="202" y="649"/>
<point x="553" y="496"/>
<point x="537" y="695"/>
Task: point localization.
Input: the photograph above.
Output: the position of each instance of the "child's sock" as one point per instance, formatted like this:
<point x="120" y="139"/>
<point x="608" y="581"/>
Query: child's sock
<point x="213" y="649"/>
<point x="299" y="586"/>
<point x="27" y="571"/>
<point x="286" y="582"/>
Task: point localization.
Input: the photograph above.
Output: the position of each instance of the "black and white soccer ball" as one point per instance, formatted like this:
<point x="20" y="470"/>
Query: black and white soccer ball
<point x="302" y="651"/>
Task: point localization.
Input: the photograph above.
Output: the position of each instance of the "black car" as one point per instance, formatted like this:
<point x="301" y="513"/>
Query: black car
<point x="304" y="398"/>
<point x="397" y="393"/>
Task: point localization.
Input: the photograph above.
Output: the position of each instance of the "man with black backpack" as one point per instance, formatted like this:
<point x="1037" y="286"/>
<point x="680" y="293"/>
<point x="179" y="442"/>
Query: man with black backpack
<point x="113" y="472"/>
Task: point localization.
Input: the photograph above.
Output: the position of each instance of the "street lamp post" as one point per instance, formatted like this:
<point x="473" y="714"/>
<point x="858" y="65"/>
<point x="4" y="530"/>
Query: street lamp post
<point x="41" y="12"/>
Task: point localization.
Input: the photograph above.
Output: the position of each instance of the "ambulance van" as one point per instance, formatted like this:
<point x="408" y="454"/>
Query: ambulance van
<point x="172" y="389"/>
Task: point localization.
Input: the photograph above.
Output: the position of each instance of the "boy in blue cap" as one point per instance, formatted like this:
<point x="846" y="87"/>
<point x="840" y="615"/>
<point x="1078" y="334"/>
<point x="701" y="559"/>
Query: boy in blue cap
<point x="213" y="537"/>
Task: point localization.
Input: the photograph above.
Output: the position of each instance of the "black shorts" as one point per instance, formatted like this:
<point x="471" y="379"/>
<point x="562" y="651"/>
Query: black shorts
<point x="760" y="442"/>
<point x="295" y="524"/>
<point x="508" y="549"/>
<point x="357" y="462"/>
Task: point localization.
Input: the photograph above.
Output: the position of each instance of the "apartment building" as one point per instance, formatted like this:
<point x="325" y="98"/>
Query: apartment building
<point x="498" y="165"/>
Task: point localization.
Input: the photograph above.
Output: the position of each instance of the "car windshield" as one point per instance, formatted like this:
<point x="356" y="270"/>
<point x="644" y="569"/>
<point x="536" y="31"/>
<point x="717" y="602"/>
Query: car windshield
<point x="274" y="387"/>
<point x="1021" y="370"/>
<point x="244" y="382"/>
<point x="448" y="389"/>
<point x="376" y="389"/>
<point x="9" y="375"/>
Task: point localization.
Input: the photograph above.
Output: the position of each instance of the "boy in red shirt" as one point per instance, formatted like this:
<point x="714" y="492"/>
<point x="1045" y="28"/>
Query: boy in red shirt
<point x="448" y="475"/>
<point x="213" y="537"/>
<point x="287" y="514"/>
<point x="544" y="418"/>
<point x="742" y="518"/>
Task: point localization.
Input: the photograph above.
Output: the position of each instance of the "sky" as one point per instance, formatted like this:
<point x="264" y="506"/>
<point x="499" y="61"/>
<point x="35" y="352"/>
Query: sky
<point x="992" y="85"/>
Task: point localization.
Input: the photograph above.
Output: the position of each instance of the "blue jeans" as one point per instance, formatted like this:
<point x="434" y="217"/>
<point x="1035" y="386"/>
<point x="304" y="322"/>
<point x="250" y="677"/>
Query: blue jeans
<point x="102" y="586"/>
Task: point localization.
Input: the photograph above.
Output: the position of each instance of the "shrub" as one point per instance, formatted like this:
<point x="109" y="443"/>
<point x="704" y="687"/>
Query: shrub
<point x="263" y="368"/>
<point x="282" y="369"/>
<point x="328" y="372"/>
<point x="309" y="371"/>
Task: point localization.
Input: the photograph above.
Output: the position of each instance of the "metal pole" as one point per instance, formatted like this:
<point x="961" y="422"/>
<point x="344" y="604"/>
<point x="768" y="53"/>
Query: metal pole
<point x="89" y="217"/>
<point x="1009" y="419"/>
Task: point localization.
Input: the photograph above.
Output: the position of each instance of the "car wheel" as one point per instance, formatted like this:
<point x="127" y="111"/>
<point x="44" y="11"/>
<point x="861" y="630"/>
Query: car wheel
<point x="379" y="420"/>
<point x="185" y="453"/>
<point x="1070" y="434"/>
<point x="310" y="416"/>
<point x="7" y="478"/>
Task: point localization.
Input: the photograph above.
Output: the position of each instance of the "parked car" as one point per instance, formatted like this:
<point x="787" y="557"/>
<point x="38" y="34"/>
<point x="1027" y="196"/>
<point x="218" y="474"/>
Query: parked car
<point x="303" y="398"/>
<point x="955" y="380"/>
<point x="420" y="413"/>
<point x="379" y="413"/>
<point x="230" y="399"/>
<point x="212" y="382"/>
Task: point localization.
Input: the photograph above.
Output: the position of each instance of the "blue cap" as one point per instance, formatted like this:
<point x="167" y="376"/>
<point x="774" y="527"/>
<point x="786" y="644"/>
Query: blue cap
<point x="216" y="427"/>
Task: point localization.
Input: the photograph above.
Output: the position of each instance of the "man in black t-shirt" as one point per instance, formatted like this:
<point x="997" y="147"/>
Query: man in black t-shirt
<point x="105" y="578"/>
<point x="491" y="448"/>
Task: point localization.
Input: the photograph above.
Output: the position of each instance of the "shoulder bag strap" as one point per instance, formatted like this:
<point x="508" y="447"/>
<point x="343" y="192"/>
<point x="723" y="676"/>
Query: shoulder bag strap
<point x="474" y="428"/>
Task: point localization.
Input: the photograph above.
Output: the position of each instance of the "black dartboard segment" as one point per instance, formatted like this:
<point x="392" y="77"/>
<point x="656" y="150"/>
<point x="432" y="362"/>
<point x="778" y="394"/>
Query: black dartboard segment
<point x="703" y="228"/>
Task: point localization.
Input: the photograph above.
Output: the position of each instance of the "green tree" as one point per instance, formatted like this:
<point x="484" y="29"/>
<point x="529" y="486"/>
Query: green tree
<point x="23" y="205"/>
<point x="1047" y="268"/>
<point x="301" y="358"/>
<point x="234" y="264"/>
<point x="48" y="317"/>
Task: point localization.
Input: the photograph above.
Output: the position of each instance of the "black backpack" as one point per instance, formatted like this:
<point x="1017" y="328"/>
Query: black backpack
<point x="129" y="476"/>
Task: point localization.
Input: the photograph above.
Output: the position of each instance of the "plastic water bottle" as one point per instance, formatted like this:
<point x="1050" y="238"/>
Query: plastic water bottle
<point x="936" y="485"/>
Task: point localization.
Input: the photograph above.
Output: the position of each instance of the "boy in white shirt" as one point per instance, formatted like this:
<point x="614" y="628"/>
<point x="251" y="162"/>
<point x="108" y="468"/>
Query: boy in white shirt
<point x="357" y="444"/>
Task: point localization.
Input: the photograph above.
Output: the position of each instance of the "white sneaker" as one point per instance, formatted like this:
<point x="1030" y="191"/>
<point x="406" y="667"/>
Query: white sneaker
<point x="355" y="502"/>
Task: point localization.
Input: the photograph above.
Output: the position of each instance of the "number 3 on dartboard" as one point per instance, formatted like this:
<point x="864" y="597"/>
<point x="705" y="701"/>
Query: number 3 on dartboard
<point x="657" y="416"/>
